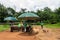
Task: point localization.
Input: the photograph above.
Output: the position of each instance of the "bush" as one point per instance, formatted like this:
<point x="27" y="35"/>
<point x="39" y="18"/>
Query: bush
<point x="47" y="21"/>
<point x="53" y="21"/>
<point x="38" y="23"/>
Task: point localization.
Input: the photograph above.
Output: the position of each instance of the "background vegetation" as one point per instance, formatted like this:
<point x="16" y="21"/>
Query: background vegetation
<point x="46" y="15"/>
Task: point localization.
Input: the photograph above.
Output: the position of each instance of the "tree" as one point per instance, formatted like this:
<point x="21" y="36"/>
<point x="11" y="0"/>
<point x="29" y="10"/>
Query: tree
<point x="22" y="11"/>
<point x="57" y="11"/>
<point x="40" y="14"/>
<point x="3" y="13"/>
<point x="11" y="11"/>
<point x="45" y="14"/>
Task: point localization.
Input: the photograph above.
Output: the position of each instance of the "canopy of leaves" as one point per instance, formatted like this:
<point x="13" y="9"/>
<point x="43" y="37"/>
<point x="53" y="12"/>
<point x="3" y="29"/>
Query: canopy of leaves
<point x="47" y="15"/>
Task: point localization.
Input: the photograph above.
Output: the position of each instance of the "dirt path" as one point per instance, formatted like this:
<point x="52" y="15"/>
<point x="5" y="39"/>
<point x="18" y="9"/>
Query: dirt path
<point x="52" y="34"/>
<point x="15" y="36"/>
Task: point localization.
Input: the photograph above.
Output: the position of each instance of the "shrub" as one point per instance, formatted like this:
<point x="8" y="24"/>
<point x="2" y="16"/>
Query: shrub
<point x="38" y="23"/>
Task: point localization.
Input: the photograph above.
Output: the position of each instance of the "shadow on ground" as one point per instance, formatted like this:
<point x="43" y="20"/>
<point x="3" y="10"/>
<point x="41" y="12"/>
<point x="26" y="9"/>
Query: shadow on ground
<point x="28" y="34"/>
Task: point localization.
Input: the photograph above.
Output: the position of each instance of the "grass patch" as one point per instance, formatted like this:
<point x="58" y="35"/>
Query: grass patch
<point x="4" y="27"/>
<point x="52" y="25"/>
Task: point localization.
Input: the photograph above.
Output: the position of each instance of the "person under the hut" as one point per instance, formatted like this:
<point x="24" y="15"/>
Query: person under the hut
<point x="41" y="24"/>
<point x="28" y="28"/>
<point x="11" y="23"/>
<point x="25" y="25"/>
<point x="44" y="30"/>
<point x="20" y="25"/>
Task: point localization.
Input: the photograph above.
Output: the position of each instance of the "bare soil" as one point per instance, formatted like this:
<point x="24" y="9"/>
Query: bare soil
<point x="48" y="34"/>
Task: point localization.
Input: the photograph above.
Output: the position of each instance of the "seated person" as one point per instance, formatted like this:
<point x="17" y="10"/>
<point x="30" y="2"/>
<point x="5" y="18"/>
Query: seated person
<point x="19" y="26"/>
<point x="28" y="28"/>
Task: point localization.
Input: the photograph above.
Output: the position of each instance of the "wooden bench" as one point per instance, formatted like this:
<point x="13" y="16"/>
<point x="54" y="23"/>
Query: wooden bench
<point x="14" y="27"/>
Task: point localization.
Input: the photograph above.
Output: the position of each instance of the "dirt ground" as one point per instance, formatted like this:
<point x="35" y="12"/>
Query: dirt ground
<point x="48" y="34"/>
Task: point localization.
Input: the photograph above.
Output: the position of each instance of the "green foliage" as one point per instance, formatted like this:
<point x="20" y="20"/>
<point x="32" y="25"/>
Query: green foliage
<point x="3" y="12"/>
<point x="57" y="12"/>
<point x="12" y="10"/>
<point x="38" y="23"/>
<point x="46" y="15"/>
